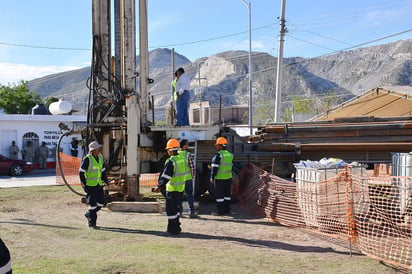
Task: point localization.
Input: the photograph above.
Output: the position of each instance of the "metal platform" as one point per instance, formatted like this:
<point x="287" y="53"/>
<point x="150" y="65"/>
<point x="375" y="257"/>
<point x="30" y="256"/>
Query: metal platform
<point x="193" y="133"/>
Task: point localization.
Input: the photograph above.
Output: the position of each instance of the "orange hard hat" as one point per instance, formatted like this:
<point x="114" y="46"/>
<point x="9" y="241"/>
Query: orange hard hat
<point x="221" y="141"/>
<point x="172" y="144"/>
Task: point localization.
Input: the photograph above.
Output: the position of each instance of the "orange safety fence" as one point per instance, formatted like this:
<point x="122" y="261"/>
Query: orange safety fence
<point x="372" y="214"/>
<point x="70" y="166"/>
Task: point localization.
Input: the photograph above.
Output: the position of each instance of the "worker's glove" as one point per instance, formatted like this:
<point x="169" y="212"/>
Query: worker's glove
<point x="212" y="181"/>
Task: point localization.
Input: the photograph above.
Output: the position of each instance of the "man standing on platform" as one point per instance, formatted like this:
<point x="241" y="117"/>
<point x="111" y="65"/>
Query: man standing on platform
<point x="183" y="97"/>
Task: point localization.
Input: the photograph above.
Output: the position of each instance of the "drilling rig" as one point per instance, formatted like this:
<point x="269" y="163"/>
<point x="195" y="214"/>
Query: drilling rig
<point x="119" y="99"/>
<point x="117" y="110"/>
<point x="118" y="107"/>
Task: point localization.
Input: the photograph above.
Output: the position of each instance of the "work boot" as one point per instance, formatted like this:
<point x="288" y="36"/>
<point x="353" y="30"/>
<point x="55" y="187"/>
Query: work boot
<point x="89" y="219"/>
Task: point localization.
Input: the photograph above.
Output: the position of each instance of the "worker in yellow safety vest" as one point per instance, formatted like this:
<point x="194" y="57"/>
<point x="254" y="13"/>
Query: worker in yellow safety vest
<point x="92" y="175"/>
<point x="173" y="102"/>
<point x="172" y="185"/>
<point x="221" y="177"/>
<point x="190" y="177"/>
<point x="174" y="84"/>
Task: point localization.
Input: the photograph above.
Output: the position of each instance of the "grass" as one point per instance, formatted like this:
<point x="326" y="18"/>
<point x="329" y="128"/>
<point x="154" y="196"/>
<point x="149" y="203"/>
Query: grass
<point x="46" y="232"/>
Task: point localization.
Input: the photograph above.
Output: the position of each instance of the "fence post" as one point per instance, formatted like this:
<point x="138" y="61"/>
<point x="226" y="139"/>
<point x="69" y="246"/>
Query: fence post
<point x="349" y="207"/>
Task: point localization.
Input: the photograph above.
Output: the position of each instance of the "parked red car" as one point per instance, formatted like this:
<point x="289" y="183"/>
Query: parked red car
<point x="14" y="167"/>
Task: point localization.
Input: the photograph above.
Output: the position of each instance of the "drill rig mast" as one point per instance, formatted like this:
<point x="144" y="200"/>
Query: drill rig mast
<point x="116" y="109"/>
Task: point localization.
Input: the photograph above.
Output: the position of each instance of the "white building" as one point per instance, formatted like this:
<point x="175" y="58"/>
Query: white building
<point x="38" y="128"/>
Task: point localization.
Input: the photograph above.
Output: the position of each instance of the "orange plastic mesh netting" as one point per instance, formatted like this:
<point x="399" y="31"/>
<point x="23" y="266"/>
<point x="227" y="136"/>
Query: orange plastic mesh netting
<point x="70" y="166"/>
<point x="371" y="213"/>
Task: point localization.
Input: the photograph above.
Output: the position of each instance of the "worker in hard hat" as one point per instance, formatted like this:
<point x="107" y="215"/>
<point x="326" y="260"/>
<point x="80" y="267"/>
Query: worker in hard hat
<point x="92" y="175"/>
<point x="221" y="177"/>
<point x="190" y="176"/>
<point x="172" y="185"/>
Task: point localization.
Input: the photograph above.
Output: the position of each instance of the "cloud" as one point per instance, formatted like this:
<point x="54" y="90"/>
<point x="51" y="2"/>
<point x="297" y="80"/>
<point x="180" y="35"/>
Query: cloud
<point x="14" y="73"/>
<point x="243" y="45"/>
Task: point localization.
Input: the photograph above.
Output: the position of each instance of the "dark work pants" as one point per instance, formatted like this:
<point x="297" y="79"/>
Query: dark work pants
<point x="95" y="199"/>
<point x="223" y="194"/>
<point x="173" y="203"/>
<point x="190" y="197"/>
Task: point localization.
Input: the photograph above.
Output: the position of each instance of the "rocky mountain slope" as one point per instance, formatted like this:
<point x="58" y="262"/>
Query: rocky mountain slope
<point x="226" y="74"/>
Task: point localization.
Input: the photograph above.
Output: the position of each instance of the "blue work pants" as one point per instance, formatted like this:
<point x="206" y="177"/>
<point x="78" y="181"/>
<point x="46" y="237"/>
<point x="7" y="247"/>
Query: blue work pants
<point x="182" y="108"/>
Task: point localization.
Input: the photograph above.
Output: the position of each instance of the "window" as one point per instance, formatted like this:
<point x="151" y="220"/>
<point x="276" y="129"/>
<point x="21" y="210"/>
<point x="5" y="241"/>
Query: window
<point x="34" y="139"/>
<point x="196" y="116"/>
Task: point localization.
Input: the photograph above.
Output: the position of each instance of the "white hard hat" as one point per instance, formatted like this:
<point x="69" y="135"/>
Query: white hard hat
<point x="94" y="145"/>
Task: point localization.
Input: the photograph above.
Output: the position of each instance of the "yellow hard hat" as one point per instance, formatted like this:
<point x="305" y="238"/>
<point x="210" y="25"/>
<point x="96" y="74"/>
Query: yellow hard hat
<point x="221" y="141"/>
<point x="172" y="144"/>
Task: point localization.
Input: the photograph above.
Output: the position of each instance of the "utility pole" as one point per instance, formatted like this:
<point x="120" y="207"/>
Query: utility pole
<point x="249" y="6"/>
<point x="144" y="61"/>
<point x="200" y="95"/>
<point x="283" y="31"/>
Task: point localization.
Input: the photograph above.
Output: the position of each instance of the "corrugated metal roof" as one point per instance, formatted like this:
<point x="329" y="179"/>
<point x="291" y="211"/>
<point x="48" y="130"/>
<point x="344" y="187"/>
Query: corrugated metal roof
<point x="378" y="102"/>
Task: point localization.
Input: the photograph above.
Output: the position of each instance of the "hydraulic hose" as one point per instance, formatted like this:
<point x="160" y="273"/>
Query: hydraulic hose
<point x="60" y="165"/>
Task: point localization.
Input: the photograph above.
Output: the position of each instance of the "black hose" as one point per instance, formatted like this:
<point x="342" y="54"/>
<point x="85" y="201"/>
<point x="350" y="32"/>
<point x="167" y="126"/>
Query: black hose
<point x="60" y="166"/>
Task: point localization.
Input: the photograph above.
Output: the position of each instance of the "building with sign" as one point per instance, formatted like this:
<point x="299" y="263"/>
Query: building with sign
<point x="35" y="129"/>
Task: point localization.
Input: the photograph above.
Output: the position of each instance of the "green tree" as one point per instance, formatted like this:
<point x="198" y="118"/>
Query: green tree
<point x="17" y="99"/>
<point x="329" y="100"/>
<point x="303" y="105"/>
<point x="50" y="100"/>
<point x="263" y="111"/>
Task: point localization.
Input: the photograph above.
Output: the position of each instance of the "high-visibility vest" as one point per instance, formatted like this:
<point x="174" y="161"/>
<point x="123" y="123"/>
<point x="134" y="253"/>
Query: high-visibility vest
<point x="177" y="182"/>
<point x="185" y="154"/>
<point x="174" y="84"/>
<point x="225" y="168"/>
<point x="94" y="171"/>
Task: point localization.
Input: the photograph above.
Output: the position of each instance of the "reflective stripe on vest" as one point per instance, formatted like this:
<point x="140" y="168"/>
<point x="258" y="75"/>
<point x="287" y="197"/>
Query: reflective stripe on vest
<point x="225" y="168"/>
<point x="177" y="182"/>
<point x="185" y="154"/>
<point x="94" y="171"/>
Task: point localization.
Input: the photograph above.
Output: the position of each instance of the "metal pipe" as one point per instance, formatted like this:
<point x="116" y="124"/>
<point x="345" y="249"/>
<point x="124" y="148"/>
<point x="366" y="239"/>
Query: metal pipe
<point x="144" y="60"/>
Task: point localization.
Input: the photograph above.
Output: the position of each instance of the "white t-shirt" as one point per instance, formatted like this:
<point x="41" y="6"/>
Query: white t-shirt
<point x="183" y="84"/>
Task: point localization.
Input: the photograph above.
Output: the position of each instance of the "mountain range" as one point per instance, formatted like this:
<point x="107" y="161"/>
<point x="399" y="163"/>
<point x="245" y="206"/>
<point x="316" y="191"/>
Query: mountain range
<point x="344" y="74"/>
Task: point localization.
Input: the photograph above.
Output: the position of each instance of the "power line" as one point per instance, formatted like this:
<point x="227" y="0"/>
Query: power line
<point x="369" y="42"/>
<point x="309" y="42"/>
<point x="41" y="47"/>
<point x="324" y="36"/>
<point x="212" y="39"/>
<point x="164" y="46"/>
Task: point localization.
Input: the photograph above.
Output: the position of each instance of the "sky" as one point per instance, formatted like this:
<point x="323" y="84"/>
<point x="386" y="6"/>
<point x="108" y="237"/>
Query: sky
<point x="43" y="37"/>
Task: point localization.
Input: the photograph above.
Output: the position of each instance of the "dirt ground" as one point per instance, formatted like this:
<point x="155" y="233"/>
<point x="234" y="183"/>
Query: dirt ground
<point x="46" y="232"/>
